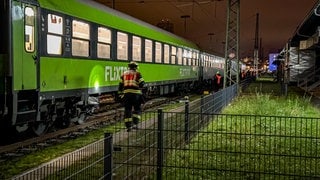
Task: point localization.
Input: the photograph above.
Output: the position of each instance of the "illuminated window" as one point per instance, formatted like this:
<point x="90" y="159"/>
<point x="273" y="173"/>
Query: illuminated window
<point x="122" y="51"/>
<point x="194" y="58"/>
<point x="210" y="61"/>
<point x="207" y="61"/>
<point x="185" y="57"/>
<point x="29" y="29"/>
<point x="55" y="46"/>
<point x="158" y="56"/>
<point x="179" y="56"/>
<point x="54" y="36"/>
<point x="173" y="55"/>
<point x="136" y="48"/>
<point x="188" y="55"/>
<point x="104" y="43"/>
<point x="80" y="38"/>
<point x="204" y="60"/>
<point x="148" y="50"/>
<point x="166" y="54"/>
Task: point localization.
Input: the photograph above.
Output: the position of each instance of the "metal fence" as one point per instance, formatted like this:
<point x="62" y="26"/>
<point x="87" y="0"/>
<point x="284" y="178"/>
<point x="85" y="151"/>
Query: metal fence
<point x="219" y="146"/>
<point x="195" y="142"/>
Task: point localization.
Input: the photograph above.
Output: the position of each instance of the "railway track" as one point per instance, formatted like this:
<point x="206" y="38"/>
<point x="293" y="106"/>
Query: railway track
<point x="94" y="122"/>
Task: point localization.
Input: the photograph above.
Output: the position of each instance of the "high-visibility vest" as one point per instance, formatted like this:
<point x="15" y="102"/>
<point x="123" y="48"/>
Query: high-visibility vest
<point x="131" y="80"/>
<point x="218" y="77"/>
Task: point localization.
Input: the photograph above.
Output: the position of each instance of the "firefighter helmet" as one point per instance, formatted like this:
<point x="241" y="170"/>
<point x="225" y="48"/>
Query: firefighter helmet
<point x="133" y="64"/>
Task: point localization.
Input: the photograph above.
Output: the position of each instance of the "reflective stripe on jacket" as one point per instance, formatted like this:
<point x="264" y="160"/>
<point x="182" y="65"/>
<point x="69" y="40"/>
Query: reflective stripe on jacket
<point x="132" y="81"/>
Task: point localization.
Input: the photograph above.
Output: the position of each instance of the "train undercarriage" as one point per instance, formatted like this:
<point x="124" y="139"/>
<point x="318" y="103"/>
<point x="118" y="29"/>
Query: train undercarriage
<point x="35" y="115"/>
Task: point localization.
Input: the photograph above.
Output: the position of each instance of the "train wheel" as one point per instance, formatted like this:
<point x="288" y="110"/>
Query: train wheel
<point x="81" y="118"/>
<point x="22" y="128"/>
<point x="62" y="122"/>
<point x="40" y="128"/>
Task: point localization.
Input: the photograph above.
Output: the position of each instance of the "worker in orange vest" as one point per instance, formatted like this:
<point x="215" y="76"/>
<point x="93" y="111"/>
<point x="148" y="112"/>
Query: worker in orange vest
<point x="130" y="87"/>
<point x="217" y="81"/>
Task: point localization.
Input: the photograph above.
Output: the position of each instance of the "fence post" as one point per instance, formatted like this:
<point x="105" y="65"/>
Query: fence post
<point x="108" y="156"/>
<point x="201" y="109"/>
<point x="212" y="104"/>
<point x="160" y="150"/>
<point x="186" y="119"/>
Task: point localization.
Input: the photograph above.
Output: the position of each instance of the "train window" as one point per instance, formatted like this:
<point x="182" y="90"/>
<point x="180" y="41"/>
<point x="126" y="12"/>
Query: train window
<point x="104" y="43"/>
<point x="136" y="48"/>
<point x="186" y="57"/>
<point x="54" y="37"/>
<point x="166" y="54"/>
<point x="80" y="48"/>
<point x="54" y="44"/>
<point x="198" y="59"/>
<point x="148" y="50"/>
<point x="189" y="57"/>
<point x="173" y="55"/>
<point x="158" y="56"/>
<point x="195" y="58"/>
<point x="179" y="56"/>
<point x="80" y="30"/>
<point x="122" y="46"/>
<point x="212" y="61"/>
<point x="80" y="40"/>
<point x="55" y="24"/>
<point x="205" y="60"/>
<point x="29" y="29"/>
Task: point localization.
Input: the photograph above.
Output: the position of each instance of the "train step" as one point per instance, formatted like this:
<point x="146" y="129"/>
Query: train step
<point x="26" y="112"/>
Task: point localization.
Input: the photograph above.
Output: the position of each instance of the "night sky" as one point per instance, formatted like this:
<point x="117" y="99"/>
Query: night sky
<point x="278" y="20"/>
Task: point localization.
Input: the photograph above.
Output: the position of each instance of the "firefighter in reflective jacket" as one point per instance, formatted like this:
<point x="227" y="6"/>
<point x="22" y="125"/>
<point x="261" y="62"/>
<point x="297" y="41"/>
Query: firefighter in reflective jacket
<point x="130" y="87"/>
<point x="217" y="81"/>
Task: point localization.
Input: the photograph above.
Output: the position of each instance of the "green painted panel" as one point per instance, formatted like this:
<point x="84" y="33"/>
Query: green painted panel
<point x="64" y="74"/>
<point x="162" y="72"/>
<point x="29" y="64"/>
<point x="17" y="38"/>
<point x="24" y="66"/>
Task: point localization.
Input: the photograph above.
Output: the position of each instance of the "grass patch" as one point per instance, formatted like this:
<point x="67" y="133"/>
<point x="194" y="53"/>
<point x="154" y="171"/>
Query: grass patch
<point x="270" y="137"/>
<point x="18" y="165"/>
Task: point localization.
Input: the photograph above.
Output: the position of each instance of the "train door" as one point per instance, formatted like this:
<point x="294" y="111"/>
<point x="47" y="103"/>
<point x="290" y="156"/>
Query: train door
<point x="24" y="56"/>
<point x="24" y="35"/>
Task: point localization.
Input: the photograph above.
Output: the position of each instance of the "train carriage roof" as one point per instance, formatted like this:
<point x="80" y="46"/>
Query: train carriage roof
<point x="95" y="12"/>
<point x="308" y="27"/>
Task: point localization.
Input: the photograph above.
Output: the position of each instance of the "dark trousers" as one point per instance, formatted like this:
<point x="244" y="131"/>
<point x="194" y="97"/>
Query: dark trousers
<point x="132" y="100"/>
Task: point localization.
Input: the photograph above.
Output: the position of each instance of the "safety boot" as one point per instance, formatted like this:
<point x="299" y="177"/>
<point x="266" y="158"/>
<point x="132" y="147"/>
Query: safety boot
<point x="135" y="122"/>
<point x="128" y="125"/>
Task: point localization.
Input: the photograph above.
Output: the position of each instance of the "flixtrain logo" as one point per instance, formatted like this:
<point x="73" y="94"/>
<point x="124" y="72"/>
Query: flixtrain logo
<point x="113" y="73"/>
<point x="185" y="72"/>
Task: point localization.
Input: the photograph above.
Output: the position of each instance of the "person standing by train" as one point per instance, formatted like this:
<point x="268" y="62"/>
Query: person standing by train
<point x="217" y="81"/>
<point x="130" y="87"/>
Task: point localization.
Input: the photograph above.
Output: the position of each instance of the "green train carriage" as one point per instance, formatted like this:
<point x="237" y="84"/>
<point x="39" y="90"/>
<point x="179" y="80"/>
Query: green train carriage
<point x="57" y="56"/>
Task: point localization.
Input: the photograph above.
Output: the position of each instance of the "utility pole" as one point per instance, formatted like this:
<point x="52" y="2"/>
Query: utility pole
<point x="256" y="48"/>
<point x="113" y="4"/>
<point x="185" y="22"/>
<point x="232" y="42"/>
